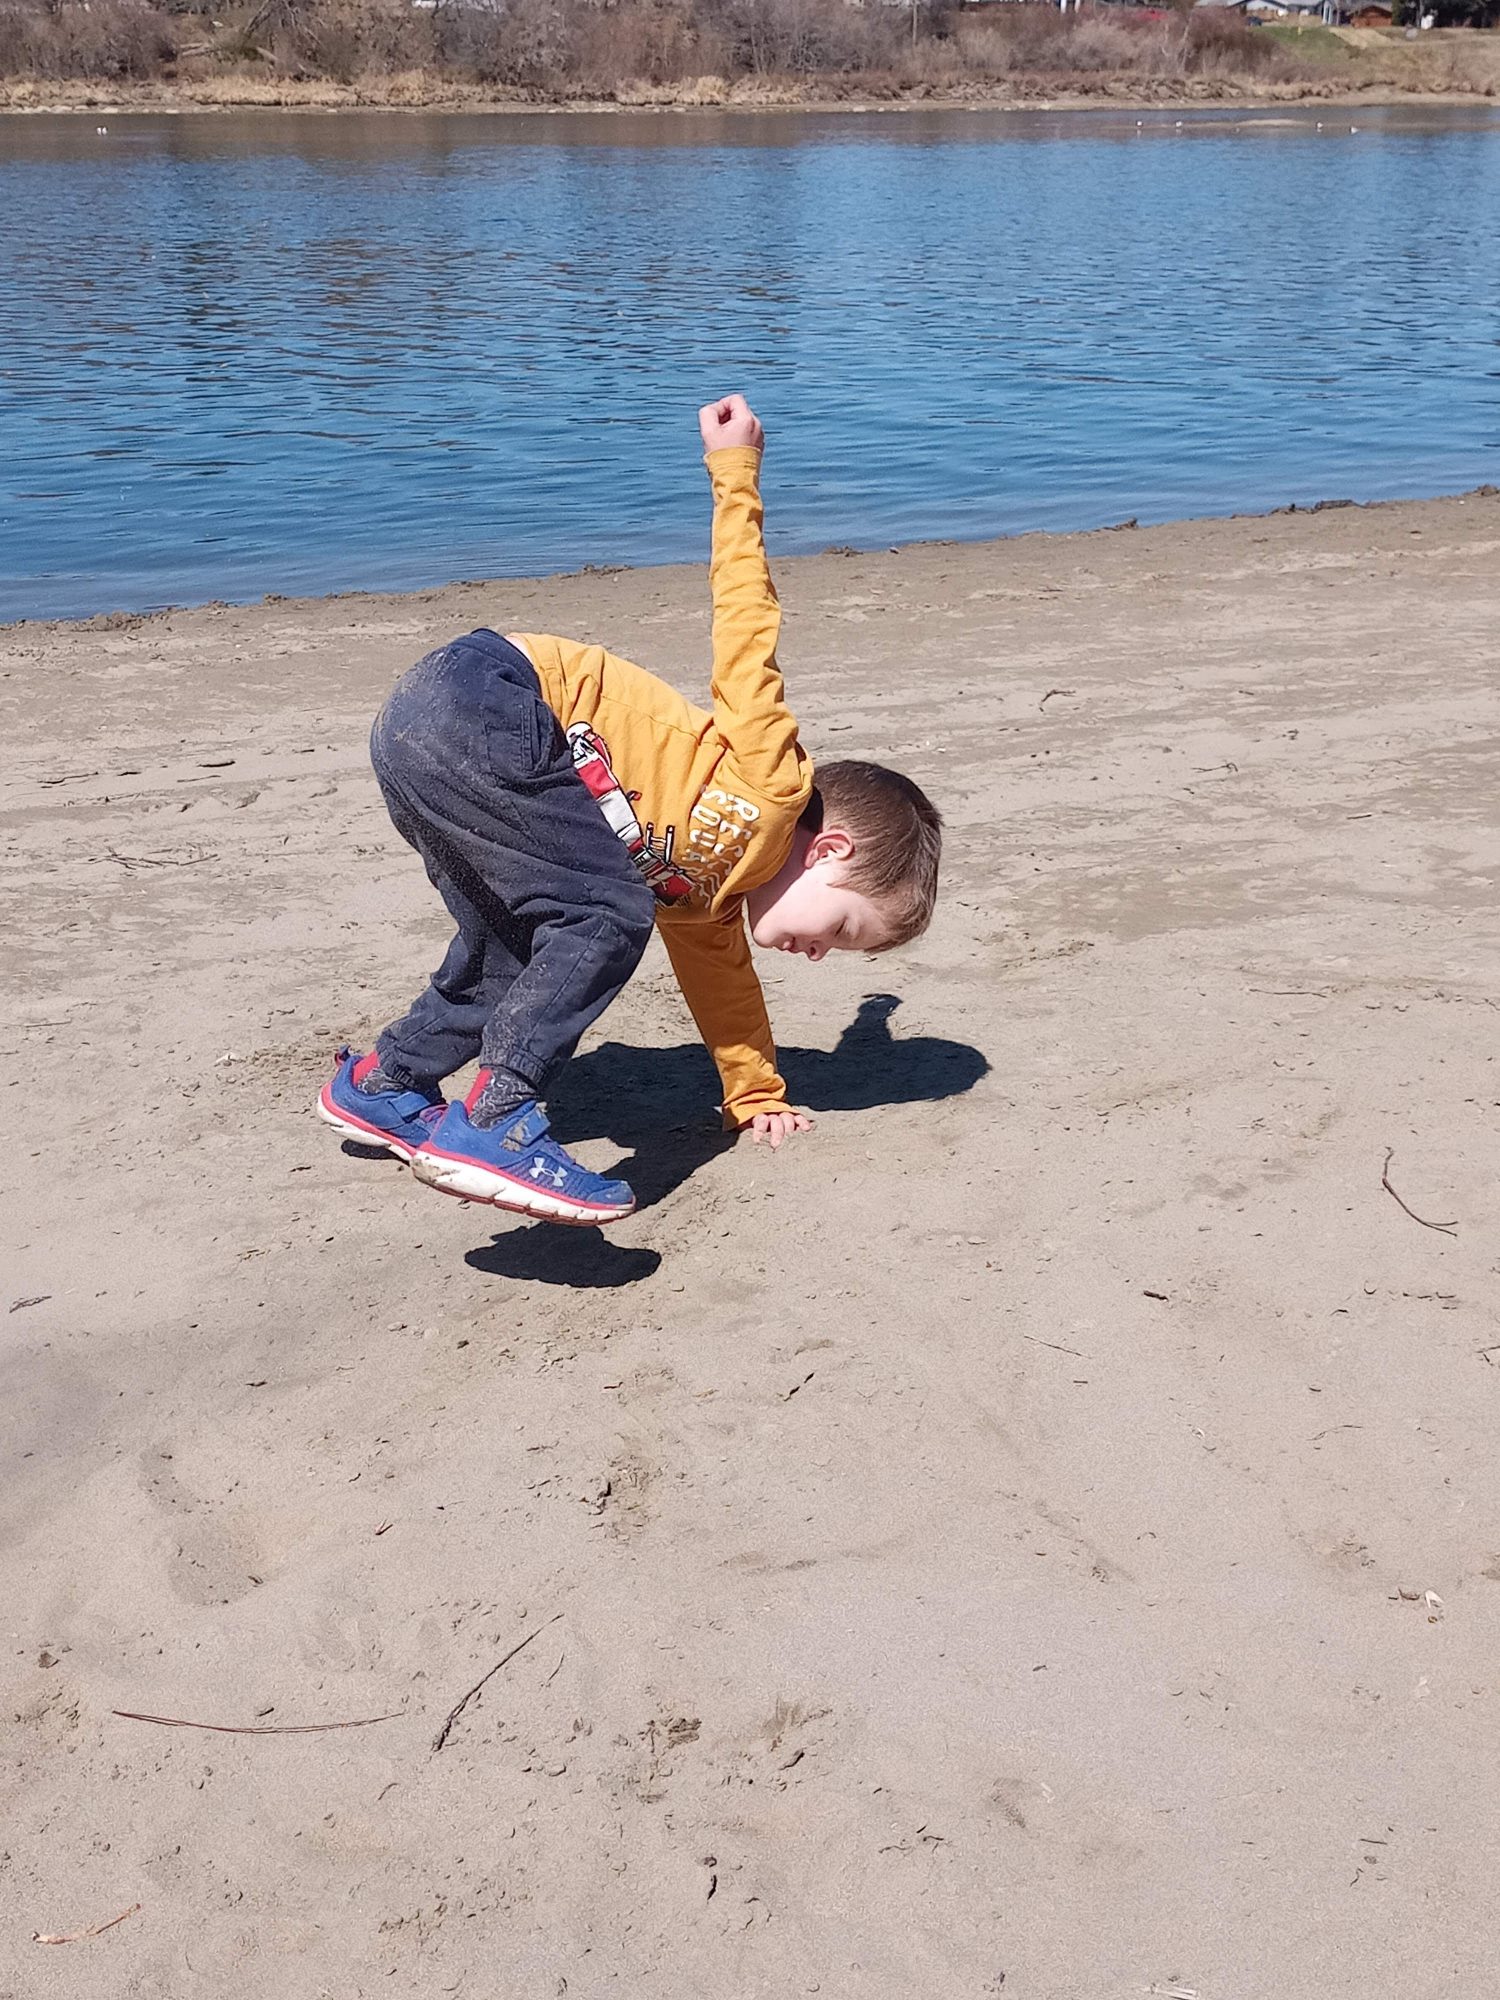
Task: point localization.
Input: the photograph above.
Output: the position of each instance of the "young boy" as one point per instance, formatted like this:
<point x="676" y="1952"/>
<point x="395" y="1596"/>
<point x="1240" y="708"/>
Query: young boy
<point x="561" y="799"/>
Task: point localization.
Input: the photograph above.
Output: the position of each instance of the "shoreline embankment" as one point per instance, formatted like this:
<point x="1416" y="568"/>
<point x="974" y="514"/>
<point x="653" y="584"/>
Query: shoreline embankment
<point x="353" y="599"/>
<point x="23" y="98"/>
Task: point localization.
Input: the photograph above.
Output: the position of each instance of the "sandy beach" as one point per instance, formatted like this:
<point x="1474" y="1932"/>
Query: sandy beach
<point x="1036" y="1537"/>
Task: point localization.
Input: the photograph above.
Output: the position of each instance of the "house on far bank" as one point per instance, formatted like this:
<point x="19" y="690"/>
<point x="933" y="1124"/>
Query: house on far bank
<point x="1330" y="13"/>
<point x="1272" y="10"/>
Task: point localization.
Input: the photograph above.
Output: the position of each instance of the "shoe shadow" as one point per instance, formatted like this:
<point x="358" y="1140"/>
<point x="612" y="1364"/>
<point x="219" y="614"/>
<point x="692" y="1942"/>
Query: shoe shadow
<point x="545" y="1254"/>
<point x="650" y="1102"/>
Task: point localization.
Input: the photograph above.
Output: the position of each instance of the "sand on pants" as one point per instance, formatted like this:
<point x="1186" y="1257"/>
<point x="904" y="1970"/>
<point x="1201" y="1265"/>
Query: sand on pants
<point x="1035" y="1537"/>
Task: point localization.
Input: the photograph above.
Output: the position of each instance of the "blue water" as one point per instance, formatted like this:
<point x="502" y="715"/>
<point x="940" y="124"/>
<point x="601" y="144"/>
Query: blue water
<point x="277" y="352"/>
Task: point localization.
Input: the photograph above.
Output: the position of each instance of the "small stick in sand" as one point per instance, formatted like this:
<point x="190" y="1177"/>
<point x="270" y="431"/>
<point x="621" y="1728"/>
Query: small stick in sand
<point x="504" y="1661"/>
<point x="1056" y="1346"/>
<point x="188" y="860"/>
<point x="1445" y="1228"/>
<point x="1049" y="694"/>
<point x="75" y="1937"/>
<point x="256" y="1728"/>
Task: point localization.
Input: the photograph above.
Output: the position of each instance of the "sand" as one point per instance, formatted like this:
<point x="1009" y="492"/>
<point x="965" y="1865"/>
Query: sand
<point x="1037" y="1536"/>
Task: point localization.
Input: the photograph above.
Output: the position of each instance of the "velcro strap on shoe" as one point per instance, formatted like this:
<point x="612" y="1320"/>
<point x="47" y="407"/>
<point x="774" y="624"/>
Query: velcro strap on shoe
<point x="528" y="1126"/>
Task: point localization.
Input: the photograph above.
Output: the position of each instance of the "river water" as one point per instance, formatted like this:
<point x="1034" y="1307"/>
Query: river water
<point x="255" y="352"/>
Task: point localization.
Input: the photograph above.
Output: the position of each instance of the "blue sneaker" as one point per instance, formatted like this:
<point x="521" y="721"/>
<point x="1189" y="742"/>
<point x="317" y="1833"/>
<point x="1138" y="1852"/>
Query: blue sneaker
<point x="516" y="1165"/>
<point x="399" y="1120"/>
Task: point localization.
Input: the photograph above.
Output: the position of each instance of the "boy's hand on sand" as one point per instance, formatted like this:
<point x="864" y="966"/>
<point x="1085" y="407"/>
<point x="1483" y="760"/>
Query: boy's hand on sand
<point x="777" y="1125"/>
<point x="730" y="421"/>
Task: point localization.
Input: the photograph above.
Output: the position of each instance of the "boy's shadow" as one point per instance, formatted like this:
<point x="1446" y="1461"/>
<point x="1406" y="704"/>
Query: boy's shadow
<point x="650" y="1100"/>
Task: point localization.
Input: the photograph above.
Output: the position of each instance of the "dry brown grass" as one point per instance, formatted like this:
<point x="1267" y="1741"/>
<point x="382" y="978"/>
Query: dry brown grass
<point x="632" y="52"/>
<point x="1449" y="59"/>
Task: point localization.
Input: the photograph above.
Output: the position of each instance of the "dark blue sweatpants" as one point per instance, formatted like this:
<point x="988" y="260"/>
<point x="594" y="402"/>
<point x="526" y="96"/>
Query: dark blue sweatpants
<point x="552" y="916"/>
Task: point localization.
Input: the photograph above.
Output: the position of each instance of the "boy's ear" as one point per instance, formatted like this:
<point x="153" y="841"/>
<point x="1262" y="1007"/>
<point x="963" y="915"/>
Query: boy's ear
<point x="832" y="844"/>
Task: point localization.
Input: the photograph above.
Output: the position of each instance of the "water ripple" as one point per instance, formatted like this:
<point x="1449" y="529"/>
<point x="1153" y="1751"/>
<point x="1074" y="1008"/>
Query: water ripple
<point x="258" y="352"/>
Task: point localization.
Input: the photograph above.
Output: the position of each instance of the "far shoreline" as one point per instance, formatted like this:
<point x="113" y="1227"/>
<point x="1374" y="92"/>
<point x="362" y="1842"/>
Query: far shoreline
<point x="26" y="99"/>
<point x="590" y="574"/>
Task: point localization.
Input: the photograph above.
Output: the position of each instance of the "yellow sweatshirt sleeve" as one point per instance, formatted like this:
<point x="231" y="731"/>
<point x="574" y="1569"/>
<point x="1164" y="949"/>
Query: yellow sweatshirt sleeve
<point x="750" y="708"/>
<point x="713" y="967"/>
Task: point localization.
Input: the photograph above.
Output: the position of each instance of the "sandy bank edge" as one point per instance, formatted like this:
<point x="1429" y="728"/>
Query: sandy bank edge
<point x="120" y="620"/>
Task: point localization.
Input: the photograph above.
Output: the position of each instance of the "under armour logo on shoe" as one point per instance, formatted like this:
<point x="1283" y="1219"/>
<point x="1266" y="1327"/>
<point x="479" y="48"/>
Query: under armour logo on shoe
<point x="540" y="1171"/>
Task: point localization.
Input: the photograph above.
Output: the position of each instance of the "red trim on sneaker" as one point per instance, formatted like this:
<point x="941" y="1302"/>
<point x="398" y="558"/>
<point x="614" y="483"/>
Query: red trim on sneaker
<point x="481" y="1084"/>
<point x="363" y="1068"/>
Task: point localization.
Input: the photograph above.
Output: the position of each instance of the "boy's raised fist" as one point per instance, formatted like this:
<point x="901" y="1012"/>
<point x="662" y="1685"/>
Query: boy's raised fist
<point x="730" y="421"/>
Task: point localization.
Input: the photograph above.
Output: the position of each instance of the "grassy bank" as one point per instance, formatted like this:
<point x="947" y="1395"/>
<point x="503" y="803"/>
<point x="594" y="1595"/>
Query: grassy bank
<point x="57" y="53"/>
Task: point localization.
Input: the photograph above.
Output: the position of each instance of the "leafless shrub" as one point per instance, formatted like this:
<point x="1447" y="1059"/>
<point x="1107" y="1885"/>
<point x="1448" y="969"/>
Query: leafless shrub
<point x="1040" y="41"/>
<point x="1101" y="44"/>
<point x="805" y="37"/>
<point x="350" y="39"/>
<point x="1017" y="38"/>
<point x="526" y="44"/>
<point x="647" y="51"/>
<point x="655" y="42"/>
<point x="1220" y="43"/>
<point x="97" y="40"/>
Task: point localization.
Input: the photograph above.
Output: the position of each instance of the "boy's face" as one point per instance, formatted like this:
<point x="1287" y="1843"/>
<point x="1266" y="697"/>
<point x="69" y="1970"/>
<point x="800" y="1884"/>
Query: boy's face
<point x="808" y="906"/>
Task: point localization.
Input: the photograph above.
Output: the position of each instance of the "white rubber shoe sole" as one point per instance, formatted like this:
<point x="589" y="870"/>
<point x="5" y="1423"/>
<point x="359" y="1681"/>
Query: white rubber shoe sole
<point x="362" y="1134"/>
<point x="470" y="1182"/>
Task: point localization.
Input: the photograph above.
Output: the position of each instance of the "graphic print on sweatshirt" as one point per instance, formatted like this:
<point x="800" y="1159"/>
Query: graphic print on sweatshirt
<point x="719" y="828"/>
<point x="591" y="761"/>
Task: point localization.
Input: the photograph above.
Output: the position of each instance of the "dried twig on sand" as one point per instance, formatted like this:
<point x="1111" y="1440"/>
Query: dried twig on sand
<point x="1049" y="694"/>
<point x="504" y="1661"/>
<point x="75" y="1937"/>
<point x="189" y="860"/>
<point x="1445" y="1228"/>
<point x="1056" y="1346"/>
<point x="257" y="1728"/>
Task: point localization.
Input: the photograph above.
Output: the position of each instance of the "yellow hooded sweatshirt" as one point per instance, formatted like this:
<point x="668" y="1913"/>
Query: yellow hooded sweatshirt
<point x="718" y="795"/>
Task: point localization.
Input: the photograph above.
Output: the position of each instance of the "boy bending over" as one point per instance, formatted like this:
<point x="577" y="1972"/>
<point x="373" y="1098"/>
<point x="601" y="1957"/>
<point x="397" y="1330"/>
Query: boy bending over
<point x="561" y="799"/>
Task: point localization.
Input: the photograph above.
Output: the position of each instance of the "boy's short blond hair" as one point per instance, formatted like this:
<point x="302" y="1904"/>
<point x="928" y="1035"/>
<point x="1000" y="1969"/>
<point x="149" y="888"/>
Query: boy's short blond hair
<point x="898" y="840"/>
